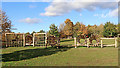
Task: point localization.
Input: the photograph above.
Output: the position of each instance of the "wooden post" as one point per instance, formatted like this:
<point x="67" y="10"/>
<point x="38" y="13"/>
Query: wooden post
<point x="75" y="42"/>
<point x="6" y="39"/>
<point x="115" y="42"/>
<point x="101" y="44"/>
<point x="46" y="41"/>
<point x="88" y="43"/>
<point x="23" y="39"/>
<point x="33" y="40"/>
<point x="57" y="43"/>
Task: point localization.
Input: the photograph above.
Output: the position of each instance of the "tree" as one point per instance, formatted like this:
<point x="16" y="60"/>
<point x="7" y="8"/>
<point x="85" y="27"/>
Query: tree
<point x="100" y="29"/>
<point x="118" y="28"/>
<point x="41" y="31"/>
<point x="54" y="30"/>
<point x="5" y="24"/>
<point x="76" y="29"/>
<point x="61" y="30"/>
<point x="32" y="32"/>
<point x="68" y="28"/>
<point x="109" y="29"/>
<point x="80" y="29"/>
<point x="61" y="27"/>
<point x="96" y="30"/>
<point x="27" y="33"/>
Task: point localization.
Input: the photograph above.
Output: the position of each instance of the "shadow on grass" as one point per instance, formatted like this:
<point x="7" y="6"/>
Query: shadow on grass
<point x="31" y="53"/>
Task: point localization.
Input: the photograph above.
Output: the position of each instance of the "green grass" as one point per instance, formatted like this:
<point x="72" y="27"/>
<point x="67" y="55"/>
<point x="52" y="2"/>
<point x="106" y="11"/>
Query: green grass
<point x="70" y="42"/>
<point x="36" y="56"/>
<point x="64" y="56"/>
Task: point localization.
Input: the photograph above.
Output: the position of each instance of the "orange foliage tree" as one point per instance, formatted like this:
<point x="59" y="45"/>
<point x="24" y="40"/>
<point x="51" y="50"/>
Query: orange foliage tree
<point x="5" y="24"/>
<point x="80" y="29"/>
<point x="68" y="28"/>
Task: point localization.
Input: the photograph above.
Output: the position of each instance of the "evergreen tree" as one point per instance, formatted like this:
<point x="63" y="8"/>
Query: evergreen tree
<point x="54" y="30"/>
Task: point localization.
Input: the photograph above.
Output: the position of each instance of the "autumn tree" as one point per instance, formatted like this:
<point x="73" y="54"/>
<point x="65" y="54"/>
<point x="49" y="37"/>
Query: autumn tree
<point x="61" y="27"/>
<point x="76" y="29"/>
<point x="83" y="29"/>
<point x="5" y="24"/>
<point x="68" y="28"/>
<point x="92" y="30"/>
<point x="96" y="30"/>
<point x="100" y="29"/>
<point x="80" y="29"/>
<point x="61" y="30"/>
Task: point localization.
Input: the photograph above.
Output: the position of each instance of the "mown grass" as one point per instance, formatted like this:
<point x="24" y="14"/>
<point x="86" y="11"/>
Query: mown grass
<point x="69" y="42"/>
<point x="64" y="56"/>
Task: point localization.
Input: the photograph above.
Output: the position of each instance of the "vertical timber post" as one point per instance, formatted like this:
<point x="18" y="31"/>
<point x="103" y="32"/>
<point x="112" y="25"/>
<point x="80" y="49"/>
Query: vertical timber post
<point x="115" y="42"/>
<point x="6" y="39"/>
<point x="33" y="40"/>
<point x="75" y="42"/>
<point x="45" y="41"/>
<point x="57" y="43"/>
<point x="101" y="44"/>
<point x="23" y="39"/>
<point x="88" y="43"/>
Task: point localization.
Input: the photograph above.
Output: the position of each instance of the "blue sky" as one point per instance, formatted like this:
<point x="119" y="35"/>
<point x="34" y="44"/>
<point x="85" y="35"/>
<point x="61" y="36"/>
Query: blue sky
<point x="35" y="16"/>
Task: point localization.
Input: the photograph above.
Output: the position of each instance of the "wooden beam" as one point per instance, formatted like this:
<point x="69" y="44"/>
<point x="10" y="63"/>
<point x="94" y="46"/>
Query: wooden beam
<point x="23" y="39"/>
<point x="14" y="33"/>
<point x="101" y="44"/>
<point x="115" y="42"/>
<point x="107" y="38"/>
<point x="39" y="33"/>
<point x="75" y="42"/>
<point x="33" y="40"/>
<point x="6" y="39"/>
<point x="88" y="43"/>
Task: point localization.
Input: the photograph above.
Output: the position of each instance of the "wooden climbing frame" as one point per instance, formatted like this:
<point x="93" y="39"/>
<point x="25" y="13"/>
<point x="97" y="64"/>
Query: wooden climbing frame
<point x="52" y="41"/>
<point x="39" y="39"/>
<point x="18" y="38"/>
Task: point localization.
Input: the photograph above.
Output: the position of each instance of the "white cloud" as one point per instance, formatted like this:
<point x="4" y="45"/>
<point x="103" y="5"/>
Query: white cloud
<point x="113" y="13"/>
<point x="30" y="20"/>
<point x="57" y="8"/>
<point x="60" y="0"/>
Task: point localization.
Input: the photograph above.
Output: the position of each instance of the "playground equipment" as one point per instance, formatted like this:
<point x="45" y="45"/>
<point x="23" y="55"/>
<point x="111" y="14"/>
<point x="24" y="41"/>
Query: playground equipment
<point x="77" y="40"/>
<point x="28" y="39"/>
<point x="52" y="41"/>
<point x="15" y="39"/>
<point x="20" y="39"/>
<point x="39" y="39"/>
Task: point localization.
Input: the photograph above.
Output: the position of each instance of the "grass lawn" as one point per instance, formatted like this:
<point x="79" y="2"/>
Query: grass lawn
<point x="70" y="42"/>
<point x="67" y="56"/>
